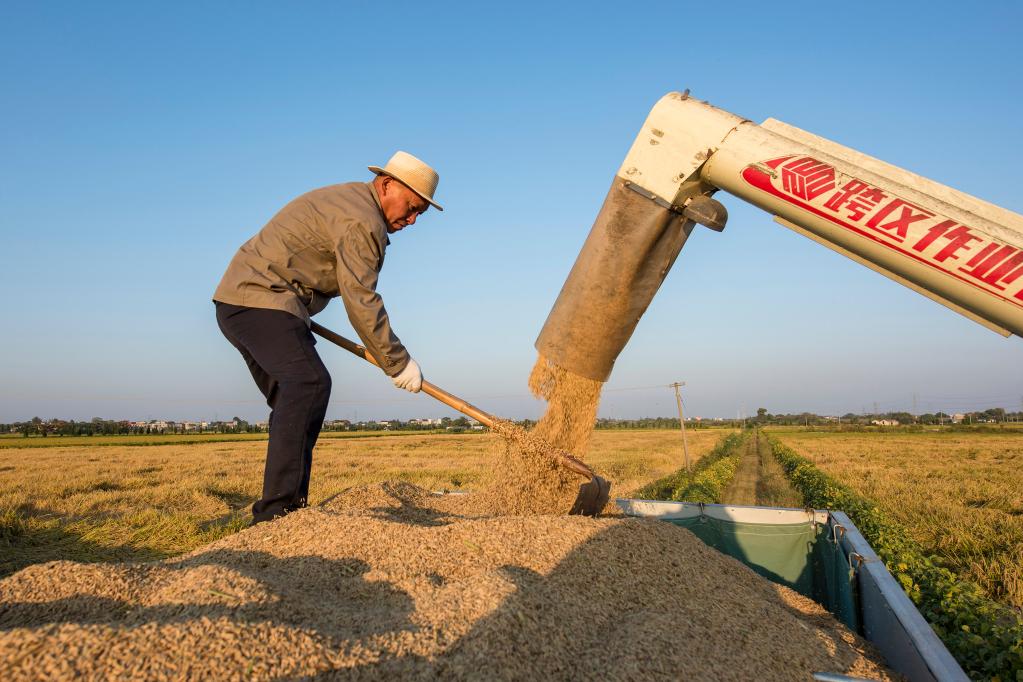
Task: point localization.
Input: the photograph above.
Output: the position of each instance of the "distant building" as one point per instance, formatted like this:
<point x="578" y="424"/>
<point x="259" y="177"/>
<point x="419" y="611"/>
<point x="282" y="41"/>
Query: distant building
<point x="425" y="422"/>
<point x="885" y="422"/>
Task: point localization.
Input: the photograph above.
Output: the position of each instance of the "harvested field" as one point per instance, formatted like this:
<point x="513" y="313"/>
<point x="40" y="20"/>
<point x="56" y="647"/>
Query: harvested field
<point x="388" y="581"/>
<point x="631" y="459"/>
<point x="960" y="494"/>
<point x="138" y="503"/>
<point x="57" y="441"/>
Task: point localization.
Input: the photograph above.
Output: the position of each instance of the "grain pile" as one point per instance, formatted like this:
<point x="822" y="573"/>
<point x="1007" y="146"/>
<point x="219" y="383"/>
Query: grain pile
<point x="387" y="582"/>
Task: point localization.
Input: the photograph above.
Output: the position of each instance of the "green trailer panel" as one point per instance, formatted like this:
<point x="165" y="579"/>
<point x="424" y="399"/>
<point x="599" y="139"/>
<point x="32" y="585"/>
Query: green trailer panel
<point x="821" y="555"/>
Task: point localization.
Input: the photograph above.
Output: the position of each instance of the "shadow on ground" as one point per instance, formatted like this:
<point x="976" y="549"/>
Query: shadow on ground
<point x="301" y="597"/>
<point x="32" y="535"/>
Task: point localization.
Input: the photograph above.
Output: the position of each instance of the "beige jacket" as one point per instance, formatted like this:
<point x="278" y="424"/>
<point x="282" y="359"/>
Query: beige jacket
<point x="326" y="243"/>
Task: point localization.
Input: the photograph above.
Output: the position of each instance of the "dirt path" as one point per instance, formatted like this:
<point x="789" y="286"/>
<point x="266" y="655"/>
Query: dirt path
<point x="759" y="479"/>
<point x="743" y="488"/>
<point x="773" y="489"/>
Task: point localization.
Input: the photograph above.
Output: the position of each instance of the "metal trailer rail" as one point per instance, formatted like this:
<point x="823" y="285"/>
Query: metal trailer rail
<point x="890" y="620"/>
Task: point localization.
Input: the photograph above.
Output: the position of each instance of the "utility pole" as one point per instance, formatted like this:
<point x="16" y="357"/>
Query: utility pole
<point x="681" y="421"/>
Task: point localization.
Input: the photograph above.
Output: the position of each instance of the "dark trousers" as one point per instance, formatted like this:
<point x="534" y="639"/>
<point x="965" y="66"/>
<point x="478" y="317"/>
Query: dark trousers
<point x="278" y="348"/>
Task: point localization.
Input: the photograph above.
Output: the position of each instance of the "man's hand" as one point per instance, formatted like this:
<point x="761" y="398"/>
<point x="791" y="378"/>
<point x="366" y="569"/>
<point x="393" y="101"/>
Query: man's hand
<point x="410" y="378"/>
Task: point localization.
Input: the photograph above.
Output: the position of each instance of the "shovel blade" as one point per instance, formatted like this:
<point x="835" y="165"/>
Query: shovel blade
<point x="592" y="497"/>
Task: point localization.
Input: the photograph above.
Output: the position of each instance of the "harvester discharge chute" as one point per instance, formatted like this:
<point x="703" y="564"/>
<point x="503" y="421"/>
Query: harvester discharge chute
<point x="952" y="247"/>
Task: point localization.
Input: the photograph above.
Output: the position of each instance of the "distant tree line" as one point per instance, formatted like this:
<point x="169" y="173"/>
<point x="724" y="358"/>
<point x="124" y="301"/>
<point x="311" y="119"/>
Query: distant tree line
<point x="994" y="415"/>
<point x="101" y="427"/>
<point x="111" y="427"/>
<point x="658" y="423"/>
<point x="456" y="424"/>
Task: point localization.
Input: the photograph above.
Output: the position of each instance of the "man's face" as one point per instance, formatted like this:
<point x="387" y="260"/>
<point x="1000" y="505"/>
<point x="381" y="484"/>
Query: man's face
<point x="401" y="205"/>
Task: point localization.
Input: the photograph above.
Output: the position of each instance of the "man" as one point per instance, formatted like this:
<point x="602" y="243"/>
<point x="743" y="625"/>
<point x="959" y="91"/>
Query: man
<point x="326" y="243"/>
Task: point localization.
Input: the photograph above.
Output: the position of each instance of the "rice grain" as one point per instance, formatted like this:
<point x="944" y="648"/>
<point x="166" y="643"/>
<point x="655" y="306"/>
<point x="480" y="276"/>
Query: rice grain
<point x="390" y="581"/>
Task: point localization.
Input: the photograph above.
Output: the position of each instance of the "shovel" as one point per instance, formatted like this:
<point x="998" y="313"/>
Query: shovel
<point x="593" y="494"/>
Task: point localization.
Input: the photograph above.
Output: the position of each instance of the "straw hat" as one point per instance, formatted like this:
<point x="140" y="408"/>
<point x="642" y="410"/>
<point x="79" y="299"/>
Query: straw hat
<point x="413" y="173"/>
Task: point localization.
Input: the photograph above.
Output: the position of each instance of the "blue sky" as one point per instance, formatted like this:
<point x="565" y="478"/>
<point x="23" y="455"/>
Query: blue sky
<point x="142" y="144"/>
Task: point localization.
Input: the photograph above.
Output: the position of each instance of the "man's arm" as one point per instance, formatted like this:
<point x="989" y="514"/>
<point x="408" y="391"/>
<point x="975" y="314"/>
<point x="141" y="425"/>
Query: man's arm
<point x="359" y="257"/>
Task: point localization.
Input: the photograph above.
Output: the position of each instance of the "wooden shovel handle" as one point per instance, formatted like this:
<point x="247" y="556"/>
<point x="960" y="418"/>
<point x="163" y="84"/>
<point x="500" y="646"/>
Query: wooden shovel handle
<point x="428" y="388"/>
<point x="440" y="394"/>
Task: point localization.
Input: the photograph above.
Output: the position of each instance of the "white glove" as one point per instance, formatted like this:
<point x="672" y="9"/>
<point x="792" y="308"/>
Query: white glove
<point x="410" y="378"/>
